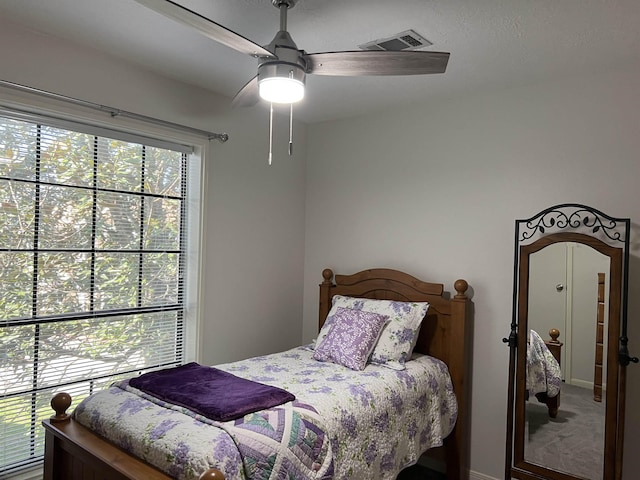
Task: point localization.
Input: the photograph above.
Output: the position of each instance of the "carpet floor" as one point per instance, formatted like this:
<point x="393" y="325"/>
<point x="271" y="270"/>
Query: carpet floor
<point x="573" y="442"/>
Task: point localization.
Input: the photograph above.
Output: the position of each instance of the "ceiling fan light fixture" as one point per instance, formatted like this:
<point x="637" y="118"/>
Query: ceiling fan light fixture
<point x="281" y="90"/>
<point x="283" y="67"/>
<point x="280" y="82"/>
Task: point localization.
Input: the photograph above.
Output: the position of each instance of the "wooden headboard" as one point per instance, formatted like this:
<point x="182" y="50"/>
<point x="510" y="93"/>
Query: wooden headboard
<point x="445" y="334"/>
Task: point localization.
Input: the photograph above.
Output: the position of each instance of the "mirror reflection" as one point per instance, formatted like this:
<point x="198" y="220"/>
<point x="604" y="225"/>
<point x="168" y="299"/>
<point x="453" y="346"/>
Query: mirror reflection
<point x="565" y="414"/>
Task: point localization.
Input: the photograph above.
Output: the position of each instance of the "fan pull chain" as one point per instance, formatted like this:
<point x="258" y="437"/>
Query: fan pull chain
<point x="270" y="133"/>
<point x="291" y="130"/>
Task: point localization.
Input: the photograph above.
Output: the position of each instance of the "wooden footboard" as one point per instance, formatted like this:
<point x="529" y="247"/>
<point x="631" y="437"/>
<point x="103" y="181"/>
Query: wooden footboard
<point x="555" y="347"/>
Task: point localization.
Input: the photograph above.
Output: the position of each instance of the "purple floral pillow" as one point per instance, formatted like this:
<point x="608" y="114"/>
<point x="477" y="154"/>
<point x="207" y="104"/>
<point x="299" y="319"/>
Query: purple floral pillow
<point x="351" y="338"/>
<point x="398" y="337"/>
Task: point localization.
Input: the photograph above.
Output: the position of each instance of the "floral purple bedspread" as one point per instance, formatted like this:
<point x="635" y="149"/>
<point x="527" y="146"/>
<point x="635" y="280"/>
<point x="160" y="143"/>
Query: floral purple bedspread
<point x="375" y="422"/>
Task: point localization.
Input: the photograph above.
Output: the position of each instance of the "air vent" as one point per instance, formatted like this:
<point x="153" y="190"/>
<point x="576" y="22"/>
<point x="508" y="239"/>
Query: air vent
<point x="407" y="40"/>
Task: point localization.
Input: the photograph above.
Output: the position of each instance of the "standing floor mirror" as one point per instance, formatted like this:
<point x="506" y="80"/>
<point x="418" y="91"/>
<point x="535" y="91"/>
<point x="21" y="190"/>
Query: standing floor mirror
<point x="568" y="346"/>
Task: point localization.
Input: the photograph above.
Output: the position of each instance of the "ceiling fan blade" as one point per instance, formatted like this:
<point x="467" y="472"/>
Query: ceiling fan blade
<point x="248" y="95"/>
<point x="361" y="63"/>
<point x="207" y="27"/>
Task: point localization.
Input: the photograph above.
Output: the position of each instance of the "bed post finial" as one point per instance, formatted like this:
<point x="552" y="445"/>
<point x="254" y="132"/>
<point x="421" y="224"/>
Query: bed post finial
<point x="60" y="403"/>
<point x="327" y="274"/>
<point x="461" y="287"/>
<point x="212" y="474"/>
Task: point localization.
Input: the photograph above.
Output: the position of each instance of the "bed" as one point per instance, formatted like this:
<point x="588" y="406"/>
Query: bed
<point x="73" y="451"/>
<point x="544" y="377"/>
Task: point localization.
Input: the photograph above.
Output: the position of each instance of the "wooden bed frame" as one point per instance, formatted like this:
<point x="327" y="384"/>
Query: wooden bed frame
<point x="72" y="452"/>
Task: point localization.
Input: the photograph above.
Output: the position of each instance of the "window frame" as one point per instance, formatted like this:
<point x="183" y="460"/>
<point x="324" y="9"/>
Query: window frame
<point x="195" y="148"/>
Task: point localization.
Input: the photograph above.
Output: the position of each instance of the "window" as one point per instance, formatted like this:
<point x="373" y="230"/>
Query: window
<point x="92" y="262"/>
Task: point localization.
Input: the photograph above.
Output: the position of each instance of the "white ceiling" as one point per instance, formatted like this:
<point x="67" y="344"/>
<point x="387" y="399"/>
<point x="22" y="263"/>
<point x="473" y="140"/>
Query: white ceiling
<point x="494" y="44"/>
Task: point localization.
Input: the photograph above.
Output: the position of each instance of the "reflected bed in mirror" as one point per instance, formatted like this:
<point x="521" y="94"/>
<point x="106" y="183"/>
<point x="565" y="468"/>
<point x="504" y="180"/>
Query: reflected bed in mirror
<point x="566" y="391"/>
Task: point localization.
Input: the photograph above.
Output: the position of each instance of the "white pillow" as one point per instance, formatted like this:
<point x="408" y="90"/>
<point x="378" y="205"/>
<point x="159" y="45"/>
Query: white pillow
<point x="397" y="338"/>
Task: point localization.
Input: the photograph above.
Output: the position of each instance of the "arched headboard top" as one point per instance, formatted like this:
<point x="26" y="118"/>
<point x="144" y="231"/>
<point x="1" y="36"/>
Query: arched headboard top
<point x="387" y="284"/>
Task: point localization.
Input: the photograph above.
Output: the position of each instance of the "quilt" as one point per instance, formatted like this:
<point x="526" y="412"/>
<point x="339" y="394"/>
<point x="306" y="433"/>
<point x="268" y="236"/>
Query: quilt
<point x="375" y="422"/>
<point x="543" y="370"/>
<point x="271" y="444"/>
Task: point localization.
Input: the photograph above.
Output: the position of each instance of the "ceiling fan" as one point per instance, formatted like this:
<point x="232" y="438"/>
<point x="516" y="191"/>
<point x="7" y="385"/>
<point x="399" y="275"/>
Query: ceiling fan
<point x="282" y="67"/>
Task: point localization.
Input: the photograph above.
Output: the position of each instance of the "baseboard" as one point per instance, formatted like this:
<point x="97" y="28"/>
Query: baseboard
<point x="480" y="476"/>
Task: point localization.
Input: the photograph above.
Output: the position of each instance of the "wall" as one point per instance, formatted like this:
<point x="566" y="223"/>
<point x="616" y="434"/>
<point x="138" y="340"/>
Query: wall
<point x="254" y="214"/>
<point x="587" y="263"/>
<point x="434" y="190"/>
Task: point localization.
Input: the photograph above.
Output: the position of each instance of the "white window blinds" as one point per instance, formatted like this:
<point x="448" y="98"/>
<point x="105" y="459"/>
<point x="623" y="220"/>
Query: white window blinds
<point x="92" y="252"/>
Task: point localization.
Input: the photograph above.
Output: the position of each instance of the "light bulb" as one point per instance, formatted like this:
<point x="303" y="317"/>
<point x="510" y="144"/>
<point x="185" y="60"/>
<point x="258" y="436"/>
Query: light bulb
<point x="281" y="89"/>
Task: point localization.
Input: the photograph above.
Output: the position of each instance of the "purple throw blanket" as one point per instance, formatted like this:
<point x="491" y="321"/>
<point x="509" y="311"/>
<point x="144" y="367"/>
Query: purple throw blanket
<point x="213" y="393"/>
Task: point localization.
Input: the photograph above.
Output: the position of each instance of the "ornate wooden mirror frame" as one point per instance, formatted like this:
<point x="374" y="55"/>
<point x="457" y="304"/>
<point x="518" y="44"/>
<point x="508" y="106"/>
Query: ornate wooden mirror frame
<point x="609" y="237"/>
